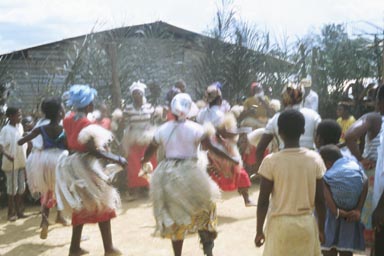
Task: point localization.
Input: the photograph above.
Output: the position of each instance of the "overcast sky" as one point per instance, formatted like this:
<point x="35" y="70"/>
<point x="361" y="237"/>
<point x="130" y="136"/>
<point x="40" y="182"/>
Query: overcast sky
<point x="26" y="23"/>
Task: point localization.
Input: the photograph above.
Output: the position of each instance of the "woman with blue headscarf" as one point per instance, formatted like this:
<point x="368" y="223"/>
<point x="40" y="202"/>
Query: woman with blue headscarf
<point x="82" y="181"/>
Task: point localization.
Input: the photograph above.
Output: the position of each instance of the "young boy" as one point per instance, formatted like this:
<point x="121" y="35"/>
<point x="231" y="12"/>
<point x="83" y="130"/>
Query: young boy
<point x="13" y="163"/>
<point x="345" y="192"/>
<point x="293" y="178"/>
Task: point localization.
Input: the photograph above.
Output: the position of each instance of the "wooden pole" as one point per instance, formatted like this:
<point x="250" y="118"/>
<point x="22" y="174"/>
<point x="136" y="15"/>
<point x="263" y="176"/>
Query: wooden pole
<point x="115" y="86"/>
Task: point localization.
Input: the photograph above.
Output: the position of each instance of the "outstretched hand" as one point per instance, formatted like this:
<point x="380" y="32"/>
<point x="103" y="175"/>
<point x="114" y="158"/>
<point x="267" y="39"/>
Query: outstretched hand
<point x="122" y="161"/>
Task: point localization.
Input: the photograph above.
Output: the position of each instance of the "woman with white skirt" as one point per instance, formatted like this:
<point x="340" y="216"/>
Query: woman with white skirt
<point x="183" y="194"/>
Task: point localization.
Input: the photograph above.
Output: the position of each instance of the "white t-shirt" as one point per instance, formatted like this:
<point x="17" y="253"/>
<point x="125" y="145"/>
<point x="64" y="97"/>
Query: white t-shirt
<point x="311" y="101"/>
<point x="9" y="136"/>
<point x="312" y="120"/>
<point x="179" y="139"/>
<point x="212" y="114"/>
<point x="378" y="186"/>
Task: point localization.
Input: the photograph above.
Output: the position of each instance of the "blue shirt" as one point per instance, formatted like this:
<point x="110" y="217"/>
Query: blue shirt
<point x="345" y="179"/>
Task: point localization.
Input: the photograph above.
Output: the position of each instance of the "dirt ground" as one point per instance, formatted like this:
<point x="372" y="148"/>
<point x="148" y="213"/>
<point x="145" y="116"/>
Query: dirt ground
<point x="132" y="232"/>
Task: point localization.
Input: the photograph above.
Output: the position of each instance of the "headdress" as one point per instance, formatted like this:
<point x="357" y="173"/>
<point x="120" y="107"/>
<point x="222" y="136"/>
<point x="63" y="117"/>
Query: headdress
<point x="255" y="85"/>
<point x="306" y="83"/>
<point x="292" y="94"/>
<point x="79" y="96"/>
<point x="181" y="105"/>
<point x="213" y="91"/>
<point x="137" y="86"/>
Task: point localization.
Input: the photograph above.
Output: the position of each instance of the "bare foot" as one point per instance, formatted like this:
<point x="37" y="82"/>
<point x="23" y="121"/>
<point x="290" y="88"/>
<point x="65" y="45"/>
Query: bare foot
<point x="12" y="218"/>
<point x="44" y="231"/>
<point x="78" y="252"/>
<point x="61" y="220"/>
<point x="250" y="204"/>
<point x="113" y="252"/>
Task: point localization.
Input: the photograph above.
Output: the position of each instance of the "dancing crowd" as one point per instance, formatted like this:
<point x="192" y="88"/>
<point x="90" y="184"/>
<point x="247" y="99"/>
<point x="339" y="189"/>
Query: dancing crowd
<point x="321" y="181"/>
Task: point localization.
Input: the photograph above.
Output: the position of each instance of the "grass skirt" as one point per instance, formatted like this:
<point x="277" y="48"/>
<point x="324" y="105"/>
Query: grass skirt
<point x="41" y="177"/>
<point x="183" y="197"/>
<point x="40" y="167"/>
<point x="82" y="186"/>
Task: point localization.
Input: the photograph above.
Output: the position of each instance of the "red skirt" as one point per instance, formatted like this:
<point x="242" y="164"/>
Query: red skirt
<point x="83" y="216"/>
<point x="136" y="152"/>
<point x="240" y="179"/>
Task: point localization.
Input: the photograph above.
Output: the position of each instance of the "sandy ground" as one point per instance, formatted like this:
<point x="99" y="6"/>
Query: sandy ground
<point x="132" y="232"/>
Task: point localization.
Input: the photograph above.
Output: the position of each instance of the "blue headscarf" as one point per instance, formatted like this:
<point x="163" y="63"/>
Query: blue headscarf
<point x="79" y="96"/>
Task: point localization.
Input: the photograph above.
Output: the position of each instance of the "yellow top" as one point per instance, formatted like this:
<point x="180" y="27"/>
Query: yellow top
<point x="345" y="124"/>
<point x="294" y="172"/>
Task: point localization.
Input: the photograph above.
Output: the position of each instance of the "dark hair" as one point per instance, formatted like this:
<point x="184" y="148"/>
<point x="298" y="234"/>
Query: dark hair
<point x="171" y="93"/>
<point x="11" y="111"/>
<point x="51" y="107"/>
<point x="291" y="123"/>
<point x="330" y="153"/>
<point x="27" y="120"/>
<point x="329" y="131"/>
<point x="180" y="84"/>
<point x="345" y="105"/>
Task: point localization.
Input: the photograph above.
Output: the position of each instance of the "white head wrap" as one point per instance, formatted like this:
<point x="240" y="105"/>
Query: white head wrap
<point x="181" y="105"/>
<point x="137" y="86"/>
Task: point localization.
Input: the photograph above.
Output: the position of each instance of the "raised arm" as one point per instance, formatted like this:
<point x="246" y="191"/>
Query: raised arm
<point x="206" y="143"/>
<point x="30" y="136"/>
<point x="105" y="154"/>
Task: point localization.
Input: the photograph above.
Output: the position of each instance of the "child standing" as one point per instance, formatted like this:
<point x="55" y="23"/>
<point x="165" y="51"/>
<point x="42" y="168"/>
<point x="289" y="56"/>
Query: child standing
<point x="345" y="118"/>
<point x="293" y="177"/>
<point x="13" y="162"/>
<point x="42" y="178"/>
<point x="345" y="192"/>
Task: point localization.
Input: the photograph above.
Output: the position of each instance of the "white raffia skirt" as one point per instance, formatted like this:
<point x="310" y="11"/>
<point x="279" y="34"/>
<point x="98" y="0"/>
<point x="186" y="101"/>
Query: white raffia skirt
<point x="40" y="168"/>
<point x="183" y="197"/>
<point x="83" y="188"/>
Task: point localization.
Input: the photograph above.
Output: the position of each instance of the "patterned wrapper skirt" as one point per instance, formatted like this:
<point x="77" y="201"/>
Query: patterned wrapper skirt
<point x="183" y="197"/>
<point x="83" y="188"/>
<point x="292" y="236"/>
